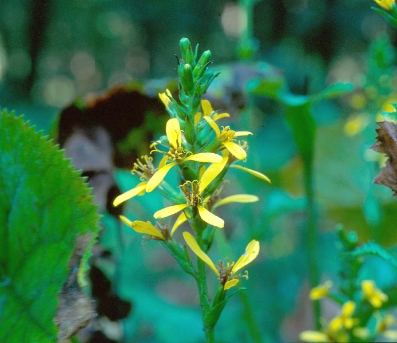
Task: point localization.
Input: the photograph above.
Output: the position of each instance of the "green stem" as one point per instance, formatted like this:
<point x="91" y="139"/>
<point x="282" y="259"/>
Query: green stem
<point x="312" y="236"/>
<point x="203" y="293"/>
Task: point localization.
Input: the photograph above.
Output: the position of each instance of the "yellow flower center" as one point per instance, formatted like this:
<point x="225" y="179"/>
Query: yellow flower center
<point x="178" y="154"/>
<point x="227" y="134"/>
<point x="192" y="193"/>
<point x="144" y="168"/>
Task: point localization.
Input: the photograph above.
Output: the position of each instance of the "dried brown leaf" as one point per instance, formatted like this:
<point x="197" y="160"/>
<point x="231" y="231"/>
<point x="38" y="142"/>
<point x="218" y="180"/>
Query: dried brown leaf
<point x="386" y="142"/>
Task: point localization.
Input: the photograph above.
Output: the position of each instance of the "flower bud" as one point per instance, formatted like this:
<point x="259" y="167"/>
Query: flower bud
<point x="186" y="50"/>
<point x="186" y="77"/>
<point x="202" y="64"/>
<point x="205" y="82"/>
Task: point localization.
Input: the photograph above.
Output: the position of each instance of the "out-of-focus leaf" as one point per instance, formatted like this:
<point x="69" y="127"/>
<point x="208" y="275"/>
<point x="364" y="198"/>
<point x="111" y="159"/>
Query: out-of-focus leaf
<point x="298" y="109"/>
<point x="333" y="91"/>
<point x="392" y="20"/>
<point x="268" y="88"/>
<point x="44" y="205"/>
<point x="303" y="129"/>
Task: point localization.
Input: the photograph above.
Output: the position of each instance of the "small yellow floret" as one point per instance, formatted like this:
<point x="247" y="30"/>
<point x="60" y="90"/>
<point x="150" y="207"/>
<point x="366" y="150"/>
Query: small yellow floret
<point x="374" y="295"/>
<point x="320" y="291"/>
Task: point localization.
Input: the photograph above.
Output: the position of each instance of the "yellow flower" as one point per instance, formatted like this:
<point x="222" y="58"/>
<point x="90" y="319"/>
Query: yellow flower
<point x="193" y="191"/>
<point x="374" y="295"/>
<point x="227" y="137"/>
<point x="227" y="275"/>
<point x="386" y="4"/>
<point x="145" y="169"/>
<point x="166" y="98"/>
<point x="143" y="227"/>
<point x="336" y="331"/>
<point x="176" y="153"/>
<point x="193" y="197"/>
<point x="344" y="319"/>
<point x="209" y="112"/>
<point x="320" y="291"/>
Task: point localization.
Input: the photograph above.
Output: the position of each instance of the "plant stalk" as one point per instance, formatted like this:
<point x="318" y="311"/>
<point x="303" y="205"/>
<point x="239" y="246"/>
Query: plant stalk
<point x="203" y="292"/>
<point x="312" y="236"/>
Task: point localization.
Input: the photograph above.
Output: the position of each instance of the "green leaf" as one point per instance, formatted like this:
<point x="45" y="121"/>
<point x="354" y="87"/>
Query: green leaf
<point x="333" y="91"/>
<point x="44" y="205"/>
<point x="266" y="87"/>
<point x="391" y="19"/>
<point x="374" y="249"/>
<point x="215" y="312"/>
<point x="303" y="128"/>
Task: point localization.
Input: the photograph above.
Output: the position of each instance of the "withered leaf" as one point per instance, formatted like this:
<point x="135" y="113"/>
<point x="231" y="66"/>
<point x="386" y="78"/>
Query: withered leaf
<point x="386" y="142"/>
<point x="75" y="309"/>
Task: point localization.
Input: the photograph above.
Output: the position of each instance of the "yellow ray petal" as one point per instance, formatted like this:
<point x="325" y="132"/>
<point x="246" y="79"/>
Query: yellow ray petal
<point x="159" y="176"/>
<point x="235" y="149"/>
<point x="173" y="132"/>
<point x="211" y="173"/>
<point x="213" y="125"/>
<point x="165" y="100"/>
<point x="192" y="243"/>
<point x="143" y="227"/>
<point x="252" y="172"/>
<point x="163" y="162"/>
<point x="241" y="198"/>
<point x="231" y="283"/>
<point x="242" y="133"/>
<point x="205" y="157"/>
<point x="210" y="218"/>
<point x="250" y="254"/>
<point x="197" y="118"/>
<point x="169" y="211"/>
<point x="313" y="336"/>
<point x="220" y="116"/>
<point x="386" y="4"/>
<point x="138" y="190"/>
<point x="206" y="106"/>
<point x="179" y="221"/>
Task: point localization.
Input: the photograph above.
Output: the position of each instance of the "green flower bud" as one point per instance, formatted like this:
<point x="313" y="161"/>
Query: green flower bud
<point x="186" y="50"/>
<point x="204" y="82"/>
<point x="185" y="72"/>
<point x="202" y="64"/>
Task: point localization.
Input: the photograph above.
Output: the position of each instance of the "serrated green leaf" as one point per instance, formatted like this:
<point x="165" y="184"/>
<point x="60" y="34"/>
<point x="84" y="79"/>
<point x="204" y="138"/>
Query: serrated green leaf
<point x="44" y="205"/>
<point x="374" y="249"/>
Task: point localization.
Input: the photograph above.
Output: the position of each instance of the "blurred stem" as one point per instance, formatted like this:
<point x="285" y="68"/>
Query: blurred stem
<point x="250" y="319"/>
<point x="248" y="5"/>
<point x="203" y="291"/>
<point x="312" y="236"/>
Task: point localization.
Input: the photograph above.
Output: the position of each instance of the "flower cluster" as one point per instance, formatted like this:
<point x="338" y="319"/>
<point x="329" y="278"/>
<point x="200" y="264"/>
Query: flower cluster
<point x="349" y="325"/>
<point x="200" y="152"/>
